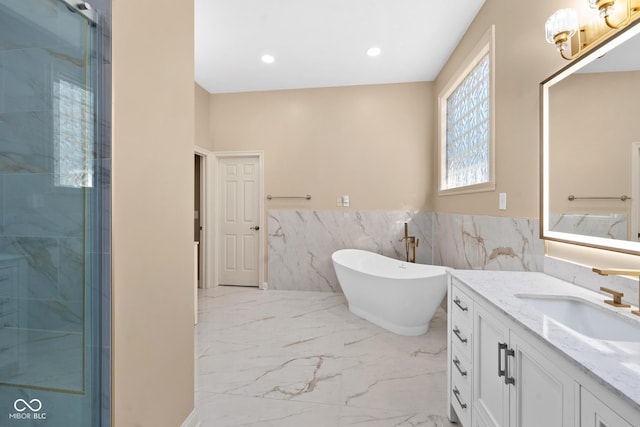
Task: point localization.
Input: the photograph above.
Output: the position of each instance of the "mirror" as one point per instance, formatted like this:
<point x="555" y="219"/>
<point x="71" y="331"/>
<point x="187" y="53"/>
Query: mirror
<point x="590" y="149"/>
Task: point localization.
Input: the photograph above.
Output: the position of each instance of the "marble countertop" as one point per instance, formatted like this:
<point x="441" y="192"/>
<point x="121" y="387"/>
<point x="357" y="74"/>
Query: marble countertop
<point x="614" y="364"/>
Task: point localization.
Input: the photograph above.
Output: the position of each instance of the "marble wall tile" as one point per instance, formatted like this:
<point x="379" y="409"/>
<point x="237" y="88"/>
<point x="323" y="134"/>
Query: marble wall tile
<point x="1" y="84"/>
<point x="612" y="226"/>
<point x="41" y="258"/>
<point x="26" y="142"/>
<point x="50" y="294"/>
<point x="71" y="271"/>
<point x="583" y="276"/>
<point x="487" y="243"/>
<point x="3" y="204"/>
<point x="51" y="315"/>
<point x="36" y="207"/>
<point x="29" y="76"/>
<point x="300" y="243"/>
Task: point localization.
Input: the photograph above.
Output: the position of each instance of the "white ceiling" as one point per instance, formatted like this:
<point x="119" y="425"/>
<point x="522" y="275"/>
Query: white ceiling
<point x="322" y="43"/>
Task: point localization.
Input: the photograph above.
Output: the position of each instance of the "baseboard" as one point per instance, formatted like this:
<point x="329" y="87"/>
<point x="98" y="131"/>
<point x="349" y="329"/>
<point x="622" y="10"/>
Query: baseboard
<point x="192" y="420"/>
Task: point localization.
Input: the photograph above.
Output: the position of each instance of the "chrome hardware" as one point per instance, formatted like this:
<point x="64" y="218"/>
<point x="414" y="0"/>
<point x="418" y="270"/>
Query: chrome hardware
<point x="456" y="362"/>
<point x="255" y="227"/>
<point x="457" y="302"/>
<point x="83" y="5"/>
<point x="457" y="332"/>
<point x="456" y="393"/>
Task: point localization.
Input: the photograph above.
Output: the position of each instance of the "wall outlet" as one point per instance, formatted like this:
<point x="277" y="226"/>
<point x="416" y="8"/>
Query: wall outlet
<point x="339" y="201"/>
<point x="345" y="201"/>
<point x="502" y="201"/>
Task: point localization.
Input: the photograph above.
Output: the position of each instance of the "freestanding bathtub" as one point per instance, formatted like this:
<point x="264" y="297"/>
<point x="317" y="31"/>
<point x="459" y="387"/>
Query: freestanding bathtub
<point x="398" y="296"/>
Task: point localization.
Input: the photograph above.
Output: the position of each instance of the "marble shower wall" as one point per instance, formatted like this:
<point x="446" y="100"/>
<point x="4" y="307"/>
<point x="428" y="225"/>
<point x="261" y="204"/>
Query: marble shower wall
<point x="475" y="242"/>
<point x="41" y="220"/>
<point x="300" y="243"/>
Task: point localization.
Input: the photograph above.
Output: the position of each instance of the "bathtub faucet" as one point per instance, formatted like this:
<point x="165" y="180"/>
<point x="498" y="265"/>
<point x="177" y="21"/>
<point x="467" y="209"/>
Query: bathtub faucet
<point x="411" y="243"/>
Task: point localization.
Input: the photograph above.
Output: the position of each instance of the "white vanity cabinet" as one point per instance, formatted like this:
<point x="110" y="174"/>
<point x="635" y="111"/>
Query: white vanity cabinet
<point x="515" y="384"/>
<point x="460" y="345"/>
<point x="594" y="413"/>
<point x="514" y="378"/>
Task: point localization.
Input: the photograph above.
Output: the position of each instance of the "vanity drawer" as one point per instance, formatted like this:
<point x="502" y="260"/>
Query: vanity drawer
<point x="461" y="305"/>
<point x="461" y="338"/>
<point x="460" y="369"/>
<point x="461" y="401"/>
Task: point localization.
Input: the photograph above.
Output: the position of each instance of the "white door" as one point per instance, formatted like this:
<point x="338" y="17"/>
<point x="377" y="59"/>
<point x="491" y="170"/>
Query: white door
<point x="239" y="220"/>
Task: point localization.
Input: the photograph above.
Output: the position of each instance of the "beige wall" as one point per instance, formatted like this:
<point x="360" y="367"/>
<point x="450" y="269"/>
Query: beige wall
<point x="203" y="118"/>
<point x="370" y="142"/>
<point x="153" y="138"/>
<point x="523" y="60"/>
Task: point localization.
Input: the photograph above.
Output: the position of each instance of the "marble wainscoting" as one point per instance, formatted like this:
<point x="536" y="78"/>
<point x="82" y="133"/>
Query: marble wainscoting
<point x="300" y="243"/>
<point x="583" y="276"/>
<point x="612" y="226"/>
<point x="475" y="242"/>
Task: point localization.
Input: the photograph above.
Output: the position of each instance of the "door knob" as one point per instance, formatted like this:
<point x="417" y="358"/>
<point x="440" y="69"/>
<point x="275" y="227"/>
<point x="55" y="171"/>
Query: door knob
<point x="255" y="227"/>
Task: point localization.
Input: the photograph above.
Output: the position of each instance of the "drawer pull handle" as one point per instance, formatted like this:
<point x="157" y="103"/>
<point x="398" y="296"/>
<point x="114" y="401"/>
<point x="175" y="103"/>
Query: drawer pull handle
<point x="456" y="362"/>
<point x="456" y="393"/>
<point x="457" y="302"/>
<point x="457" y="332"/>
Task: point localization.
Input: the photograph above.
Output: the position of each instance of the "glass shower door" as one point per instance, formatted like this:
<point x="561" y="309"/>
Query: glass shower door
<point x="53" y="216"/>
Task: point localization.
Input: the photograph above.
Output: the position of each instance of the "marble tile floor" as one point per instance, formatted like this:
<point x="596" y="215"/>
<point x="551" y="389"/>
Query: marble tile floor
<point x="299" y="358"/>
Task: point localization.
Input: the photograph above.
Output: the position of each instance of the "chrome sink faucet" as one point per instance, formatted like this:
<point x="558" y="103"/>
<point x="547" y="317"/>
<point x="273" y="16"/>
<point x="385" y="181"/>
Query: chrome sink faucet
<point x="411" y="243"/>
<point x="617" y="296"/>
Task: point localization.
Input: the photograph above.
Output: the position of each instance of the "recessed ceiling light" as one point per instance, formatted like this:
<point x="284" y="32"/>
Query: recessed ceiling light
<point x="268" y="59"/>
<point x="373" y="51"/>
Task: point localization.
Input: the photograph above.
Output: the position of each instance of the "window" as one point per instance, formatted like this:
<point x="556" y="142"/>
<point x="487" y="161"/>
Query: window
<point x="73" y="132"/>
<point x="466" y="124"/>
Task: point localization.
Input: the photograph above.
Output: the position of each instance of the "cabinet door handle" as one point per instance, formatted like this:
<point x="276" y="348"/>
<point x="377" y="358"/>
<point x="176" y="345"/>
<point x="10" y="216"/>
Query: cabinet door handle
<point x="457" y="332"/>
<point x="507" y="353"/>
<point x="456" y="362"/>
<point x="458" y="303"/>
<point x="456" y="393"/>
<point x="501" y="372"/>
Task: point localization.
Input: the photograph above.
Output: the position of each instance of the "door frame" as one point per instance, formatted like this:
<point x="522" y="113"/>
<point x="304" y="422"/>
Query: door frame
<point x="218" y="157"/>
<point x="634" y="218"/>
<point x="206" y="209"/>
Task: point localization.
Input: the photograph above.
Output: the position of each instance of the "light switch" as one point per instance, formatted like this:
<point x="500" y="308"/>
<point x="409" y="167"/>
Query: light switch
<point x="339" y="201"/>
<point x="502" y="201"/>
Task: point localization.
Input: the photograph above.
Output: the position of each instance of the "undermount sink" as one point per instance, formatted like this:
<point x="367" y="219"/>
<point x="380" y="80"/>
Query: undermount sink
<point x="585" y="317"/>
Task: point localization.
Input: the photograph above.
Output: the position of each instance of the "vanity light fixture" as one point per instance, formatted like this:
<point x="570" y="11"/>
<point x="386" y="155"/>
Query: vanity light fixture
<point x="562" y="28"/>
<point x="608" y="10"/>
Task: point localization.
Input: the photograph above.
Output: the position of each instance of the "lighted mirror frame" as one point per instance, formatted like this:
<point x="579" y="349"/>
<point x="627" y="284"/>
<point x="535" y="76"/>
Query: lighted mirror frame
<point x="624" y="246"/>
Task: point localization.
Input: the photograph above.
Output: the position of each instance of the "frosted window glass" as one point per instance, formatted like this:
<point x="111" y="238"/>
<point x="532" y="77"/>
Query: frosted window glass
<point x="467" y="129"/>
<point x="73" y="132"/>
